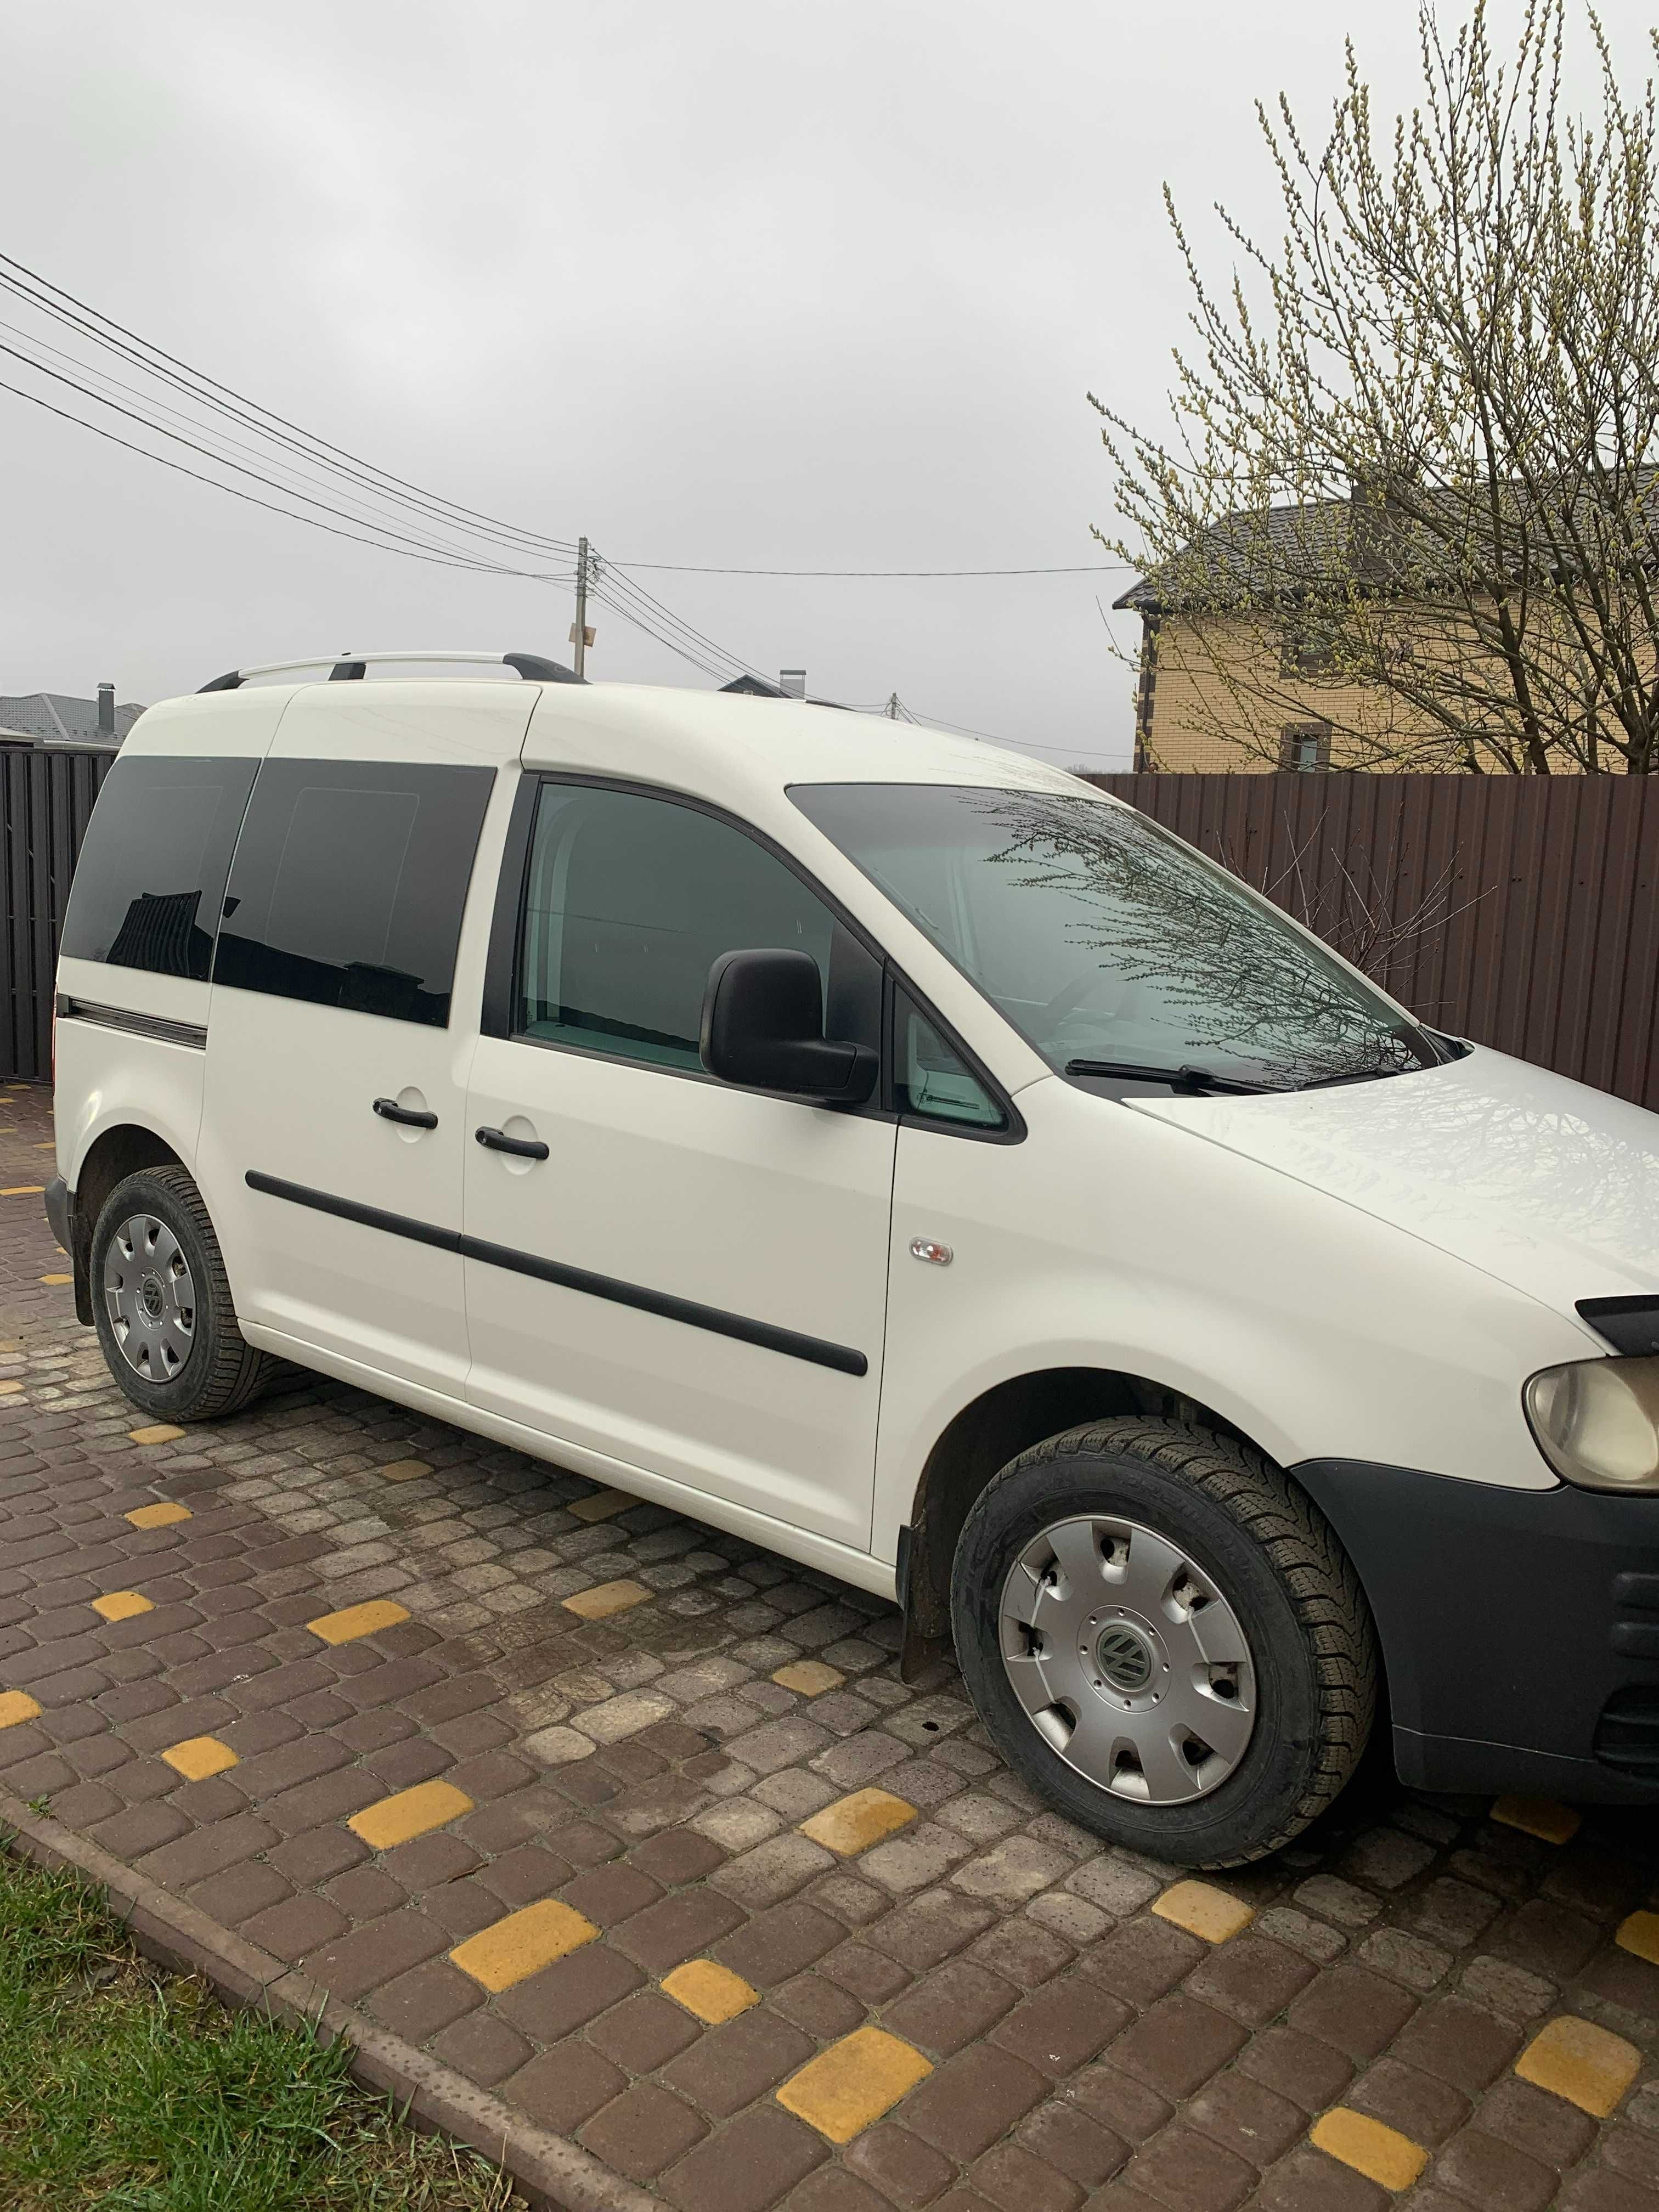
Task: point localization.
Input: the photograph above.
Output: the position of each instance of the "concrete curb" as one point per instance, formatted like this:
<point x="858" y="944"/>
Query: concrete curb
<point x="555" y="2175"/>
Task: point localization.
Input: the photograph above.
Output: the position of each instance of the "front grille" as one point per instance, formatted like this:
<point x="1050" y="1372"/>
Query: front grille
<point x="1627" y="1734"/>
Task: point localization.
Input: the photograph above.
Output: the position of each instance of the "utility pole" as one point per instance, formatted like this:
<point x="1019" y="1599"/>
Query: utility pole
<point x="891" y="710"/>
<point x="579" y="635"/>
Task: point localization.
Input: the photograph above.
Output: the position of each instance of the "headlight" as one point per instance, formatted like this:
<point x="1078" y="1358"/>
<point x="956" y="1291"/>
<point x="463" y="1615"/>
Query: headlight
<point x="1597" y="1422"/>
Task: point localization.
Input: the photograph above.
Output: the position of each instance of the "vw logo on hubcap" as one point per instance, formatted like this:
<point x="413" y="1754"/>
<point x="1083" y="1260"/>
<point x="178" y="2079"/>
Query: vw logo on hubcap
<point x="1125" y="1658"/>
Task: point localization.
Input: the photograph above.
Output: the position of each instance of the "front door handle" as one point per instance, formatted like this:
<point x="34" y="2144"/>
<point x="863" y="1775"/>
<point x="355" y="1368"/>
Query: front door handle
<point x="523" y="1148"/>
<point x="390" y="1111"/>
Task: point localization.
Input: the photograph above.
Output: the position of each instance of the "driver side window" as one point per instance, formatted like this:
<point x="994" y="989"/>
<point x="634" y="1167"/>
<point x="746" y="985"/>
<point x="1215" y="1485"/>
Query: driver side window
<point x="631" y="899"/>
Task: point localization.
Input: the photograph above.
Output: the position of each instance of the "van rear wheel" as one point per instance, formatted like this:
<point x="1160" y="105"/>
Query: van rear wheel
<point x="1165" y="1639"/>
<point x="162" y="1301"/>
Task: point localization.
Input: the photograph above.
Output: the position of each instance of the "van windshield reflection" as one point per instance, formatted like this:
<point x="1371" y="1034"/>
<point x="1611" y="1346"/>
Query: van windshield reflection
<point x="1110" y="945"/>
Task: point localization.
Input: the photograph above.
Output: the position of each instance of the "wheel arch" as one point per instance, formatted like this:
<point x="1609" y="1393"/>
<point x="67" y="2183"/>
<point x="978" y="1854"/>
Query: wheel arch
<point x="116" y="1152"/>
<point x="978" y="1443"/>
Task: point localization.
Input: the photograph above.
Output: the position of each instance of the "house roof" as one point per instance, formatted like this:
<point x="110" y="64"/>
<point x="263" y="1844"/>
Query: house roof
<point x="55" y="719"/>
<point x="1250" y="552"/>
<point x="759" y="687"/>
<point x="1380" y="542"/>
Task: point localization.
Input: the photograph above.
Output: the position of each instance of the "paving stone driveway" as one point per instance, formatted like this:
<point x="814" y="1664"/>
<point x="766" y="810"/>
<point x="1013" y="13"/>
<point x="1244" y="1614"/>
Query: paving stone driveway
<point x="637" y="1827"/>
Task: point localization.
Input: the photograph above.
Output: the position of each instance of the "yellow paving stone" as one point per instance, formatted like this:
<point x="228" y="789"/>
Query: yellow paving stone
<point x="1640" y="1932"/>
<point x="9" y="1390"/>
<point x="122" y="1605"/>
<point x="852" y="1824"/>
<point x="56" y="1279"/>
<point x="713" y="1993"/>
<point x="601" y="1504"/>
<point x="600" y="1602"/>
<point x="158" y="1516"/>
<point x="411" y="1813"/>
<point x="159" y="1432"/>
<point x="365" y="1619"/>
<point x="1585" y="2064"/>
<point x="16" y="1705"/>
<point x="810" y="1677"/>
<point x="198" y="1756"/>
<point x="1382" y="2154"/>
<point x="523" y="1943"/>
<point x="853" y="2082"/>
<point x="1203" y="1910"/>
<point x="24" y="1190"/>
<point x="1538" y="1816"/>
<point x="406" y="1470"/>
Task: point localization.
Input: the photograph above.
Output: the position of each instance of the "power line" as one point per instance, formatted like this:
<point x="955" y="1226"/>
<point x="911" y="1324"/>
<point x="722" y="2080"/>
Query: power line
<point x="697" y="568"/>
<point x="379" y="544"/>
<point x="373" y="498"/>
<point x="59" y="376"/>
<point x="203" y="388"/>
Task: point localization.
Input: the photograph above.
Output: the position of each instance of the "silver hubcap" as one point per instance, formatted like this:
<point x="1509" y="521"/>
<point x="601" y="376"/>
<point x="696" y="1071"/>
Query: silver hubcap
<point x="150" y="1296"/>
<point x="1127" y="1660"/>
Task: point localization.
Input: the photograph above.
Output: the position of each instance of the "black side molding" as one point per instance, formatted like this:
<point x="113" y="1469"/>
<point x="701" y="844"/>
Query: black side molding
<point x="1630" y="1325"/>
<point x="349" y="1209"/>
<point x="790" y="1342"/>
<point x="121" y="1018"/>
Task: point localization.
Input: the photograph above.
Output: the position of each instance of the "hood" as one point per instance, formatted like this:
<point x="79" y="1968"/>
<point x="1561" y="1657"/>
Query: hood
<point x="1542" y="1182"/>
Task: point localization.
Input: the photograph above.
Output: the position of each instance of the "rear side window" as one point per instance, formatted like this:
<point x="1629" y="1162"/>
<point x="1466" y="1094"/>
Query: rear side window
<point x="349" y="883"/>
<point x="151" y="872"/>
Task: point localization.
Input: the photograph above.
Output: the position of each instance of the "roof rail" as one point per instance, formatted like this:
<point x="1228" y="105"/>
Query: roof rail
<point x="347" y="667"/>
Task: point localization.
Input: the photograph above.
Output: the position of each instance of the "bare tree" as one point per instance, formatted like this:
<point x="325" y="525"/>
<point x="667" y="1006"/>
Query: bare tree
<point x="1411" y="486"/>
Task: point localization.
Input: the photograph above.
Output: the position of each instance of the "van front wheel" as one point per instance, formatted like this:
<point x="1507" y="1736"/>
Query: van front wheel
<point x="162" y="1305"/>
<point x="1165" y="1639"/>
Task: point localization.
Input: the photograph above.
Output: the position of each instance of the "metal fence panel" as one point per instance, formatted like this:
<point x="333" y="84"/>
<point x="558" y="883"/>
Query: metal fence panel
<point x="45" y="802"/>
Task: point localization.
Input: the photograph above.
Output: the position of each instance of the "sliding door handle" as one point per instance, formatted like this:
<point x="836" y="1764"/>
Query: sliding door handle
<point x="390" y="1111"/>
<point x="522" y="1148"/>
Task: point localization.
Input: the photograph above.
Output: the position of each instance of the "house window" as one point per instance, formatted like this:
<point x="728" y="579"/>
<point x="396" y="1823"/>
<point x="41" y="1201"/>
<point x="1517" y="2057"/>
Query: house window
<point x="1308" y="649"/>
<point x="1305" y="746"/>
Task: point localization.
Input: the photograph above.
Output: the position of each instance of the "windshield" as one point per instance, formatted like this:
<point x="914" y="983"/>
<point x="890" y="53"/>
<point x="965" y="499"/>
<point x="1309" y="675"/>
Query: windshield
<point x="1104" y="940"/>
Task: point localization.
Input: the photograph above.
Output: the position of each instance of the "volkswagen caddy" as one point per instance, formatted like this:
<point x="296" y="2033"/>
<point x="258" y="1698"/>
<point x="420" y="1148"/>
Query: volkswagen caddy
<point x="906" y="1156"/>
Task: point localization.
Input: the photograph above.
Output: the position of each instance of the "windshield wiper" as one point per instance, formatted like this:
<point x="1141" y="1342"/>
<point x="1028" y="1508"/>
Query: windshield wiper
<point x="1183" y="1078"/>
<point x="1358" y="1075"/>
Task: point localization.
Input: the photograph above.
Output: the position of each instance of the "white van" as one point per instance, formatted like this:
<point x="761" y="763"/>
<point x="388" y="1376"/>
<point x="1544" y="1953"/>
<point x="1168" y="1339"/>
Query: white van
<point x="900" y="1154"/>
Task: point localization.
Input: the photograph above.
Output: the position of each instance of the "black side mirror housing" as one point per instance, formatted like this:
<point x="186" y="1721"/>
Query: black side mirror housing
<point x="762" y="1027"/>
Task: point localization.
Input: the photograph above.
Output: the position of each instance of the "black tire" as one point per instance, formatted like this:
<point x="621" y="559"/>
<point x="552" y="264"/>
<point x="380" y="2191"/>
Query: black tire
<point x="220" y="1372"/>
<point x="1275" y="1561"/>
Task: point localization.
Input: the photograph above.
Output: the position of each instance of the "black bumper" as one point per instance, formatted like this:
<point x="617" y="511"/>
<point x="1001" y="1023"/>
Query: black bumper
<point x="1520" y="1629"/>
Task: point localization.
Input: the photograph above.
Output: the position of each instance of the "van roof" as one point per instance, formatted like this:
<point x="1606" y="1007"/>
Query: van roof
<point x="677" y="737"/>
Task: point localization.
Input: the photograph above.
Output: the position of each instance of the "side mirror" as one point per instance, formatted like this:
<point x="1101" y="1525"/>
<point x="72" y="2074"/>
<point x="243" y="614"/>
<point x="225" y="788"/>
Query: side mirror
<point x="762" y="1026"/>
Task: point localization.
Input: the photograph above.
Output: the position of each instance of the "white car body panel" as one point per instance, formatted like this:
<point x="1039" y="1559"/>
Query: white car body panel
<point x="1366" y="1273"/>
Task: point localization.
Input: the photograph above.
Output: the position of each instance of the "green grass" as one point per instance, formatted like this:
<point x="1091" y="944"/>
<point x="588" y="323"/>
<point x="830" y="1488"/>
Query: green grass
<point x="123" y="2090"/>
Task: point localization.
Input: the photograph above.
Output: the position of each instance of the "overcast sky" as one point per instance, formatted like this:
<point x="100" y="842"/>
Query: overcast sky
<point x="748" y="283"/>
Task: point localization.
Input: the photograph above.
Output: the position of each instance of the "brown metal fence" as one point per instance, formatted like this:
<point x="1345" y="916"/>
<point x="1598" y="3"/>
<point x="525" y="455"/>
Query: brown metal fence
<point x="45" y="801"/>
<point x="1521" y="911"/>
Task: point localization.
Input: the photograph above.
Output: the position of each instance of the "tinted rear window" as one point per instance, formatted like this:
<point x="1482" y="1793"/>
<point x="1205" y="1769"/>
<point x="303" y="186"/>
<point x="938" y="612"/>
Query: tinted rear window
<point x="348" y="885"/>
<point x="151" y="871"/>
